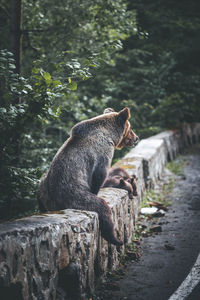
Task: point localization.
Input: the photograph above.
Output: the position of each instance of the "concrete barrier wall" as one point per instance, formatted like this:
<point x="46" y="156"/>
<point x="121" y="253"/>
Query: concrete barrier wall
<point x="60" y="255"/>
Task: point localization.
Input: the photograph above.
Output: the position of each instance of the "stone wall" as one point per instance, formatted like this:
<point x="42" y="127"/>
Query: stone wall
<point x="60" y="255"/>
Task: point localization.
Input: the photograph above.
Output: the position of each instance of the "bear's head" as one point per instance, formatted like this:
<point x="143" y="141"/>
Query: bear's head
<point x="111" y="125"/>
<point x="128" y="137"/>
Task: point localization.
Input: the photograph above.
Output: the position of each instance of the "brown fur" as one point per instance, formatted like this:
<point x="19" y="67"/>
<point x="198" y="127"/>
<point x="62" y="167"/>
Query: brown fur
<point x="120" y="183"/>
<point x="80" y="167"/>
<point x="130" y="179"/>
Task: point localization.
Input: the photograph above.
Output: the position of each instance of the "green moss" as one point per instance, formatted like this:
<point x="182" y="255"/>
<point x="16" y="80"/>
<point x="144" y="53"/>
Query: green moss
<point x="167" y="188"/>
<point x="177" y="166"/>
<point x="153" y="196"/>
<point x="158" y="196"/>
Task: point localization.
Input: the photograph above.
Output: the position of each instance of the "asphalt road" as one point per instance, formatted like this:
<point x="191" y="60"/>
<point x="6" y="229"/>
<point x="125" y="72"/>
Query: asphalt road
<point x="172" y="271"/>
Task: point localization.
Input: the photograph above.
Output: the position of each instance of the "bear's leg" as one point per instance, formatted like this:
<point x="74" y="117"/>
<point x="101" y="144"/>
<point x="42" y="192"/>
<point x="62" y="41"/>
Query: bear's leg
<point x="106" y="224"/>
<point x="90" y="202"/>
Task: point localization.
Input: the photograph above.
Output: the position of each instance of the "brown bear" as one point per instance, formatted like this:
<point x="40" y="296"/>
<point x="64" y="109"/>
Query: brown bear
<point x="130" y="179"/>
<point x="120" y="183"/>
<point x="80" y="167"/>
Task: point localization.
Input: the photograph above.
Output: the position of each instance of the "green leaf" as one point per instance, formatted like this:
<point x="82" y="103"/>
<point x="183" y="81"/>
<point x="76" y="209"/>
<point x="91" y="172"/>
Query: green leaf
<point x="3" y="59"/>
<point x="10" y="54"/>
<point x="93" y="65"/>
<point x="3" y="110"/>
<point x="50" y="111"/>
<point x="35" y="70"/>
<point x="28" y="86"/>
<point x="11" y="66"/>
<point x="47" y="76"/>
<point x="58" y="112"/>
<point x="56" y="83"/>
<point x="72" y="86"/>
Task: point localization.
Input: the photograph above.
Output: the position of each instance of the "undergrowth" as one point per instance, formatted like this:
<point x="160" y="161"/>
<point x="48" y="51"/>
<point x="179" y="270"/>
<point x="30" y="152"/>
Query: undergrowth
<point x="177" y="166"/>
<point x="159" y="196"/>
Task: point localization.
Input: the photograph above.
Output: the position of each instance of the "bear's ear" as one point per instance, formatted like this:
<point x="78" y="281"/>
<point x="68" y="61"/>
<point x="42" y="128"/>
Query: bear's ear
<point x="108" y="110"/>
<point x="124" y="114"/>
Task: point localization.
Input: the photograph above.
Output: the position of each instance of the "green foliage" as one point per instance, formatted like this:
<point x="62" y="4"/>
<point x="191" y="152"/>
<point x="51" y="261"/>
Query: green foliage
<point x="159" y="197"/>
<point x="14" y="117"/>
<point x="172" y="28"/>
<point x="62" y="47"/>
<point x="83" y="32"/>
<point x="177" y="109"/>
<point x="26" y="106"/>
<point x="79" y="57"/>
<point x="177" y="166"/>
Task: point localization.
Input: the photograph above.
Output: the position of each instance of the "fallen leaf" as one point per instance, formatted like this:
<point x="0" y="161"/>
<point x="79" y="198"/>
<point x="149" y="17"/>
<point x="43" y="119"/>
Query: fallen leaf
<point x="158" y="205"/>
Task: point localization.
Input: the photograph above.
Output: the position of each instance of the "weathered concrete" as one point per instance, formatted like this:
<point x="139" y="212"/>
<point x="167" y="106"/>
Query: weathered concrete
<point x="40" y="252"/>
<point x="152" y="153"/>
<point x="171" y="143"/>
<point x="123" y="216"/>
<point x="60" y="255"/>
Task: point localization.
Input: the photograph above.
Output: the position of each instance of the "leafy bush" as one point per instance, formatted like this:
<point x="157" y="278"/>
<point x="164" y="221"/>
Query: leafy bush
<point x="33" y="128"/>
<point x="177" y="109"/>
<point x="26" y="105"/>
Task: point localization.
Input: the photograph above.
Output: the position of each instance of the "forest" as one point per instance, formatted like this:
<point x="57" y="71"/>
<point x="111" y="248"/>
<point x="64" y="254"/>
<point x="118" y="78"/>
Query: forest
<point x="62" y="62"/>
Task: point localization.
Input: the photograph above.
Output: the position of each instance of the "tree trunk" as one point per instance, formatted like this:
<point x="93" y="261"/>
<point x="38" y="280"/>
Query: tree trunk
<point x="16" y="32"/>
